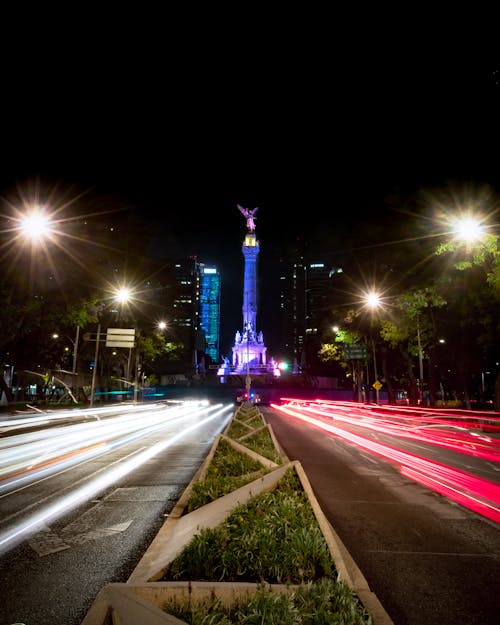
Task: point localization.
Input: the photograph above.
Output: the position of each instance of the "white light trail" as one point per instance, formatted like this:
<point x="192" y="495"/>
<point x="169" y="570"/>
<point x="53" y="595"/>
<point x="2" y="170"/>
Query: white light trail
<point x="16" y="534"/>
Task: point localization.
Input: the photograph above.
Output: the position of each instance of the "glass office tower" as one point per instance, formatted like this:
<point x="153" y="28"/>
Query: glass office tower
<point x="209" y="307"/>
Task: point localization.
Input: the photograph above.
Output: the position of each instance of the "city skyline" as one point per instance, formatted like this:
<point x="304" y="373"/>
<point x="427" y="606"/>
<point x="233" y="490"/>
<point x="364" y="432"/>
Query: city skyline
<point x="342" y="171"/>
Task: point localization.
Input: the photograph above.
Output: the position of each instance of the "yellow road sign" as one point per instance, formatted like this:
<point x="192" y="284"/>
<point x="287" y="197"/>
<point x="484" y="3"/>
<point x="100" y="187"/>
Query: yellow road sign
<point x="376" y="385"/>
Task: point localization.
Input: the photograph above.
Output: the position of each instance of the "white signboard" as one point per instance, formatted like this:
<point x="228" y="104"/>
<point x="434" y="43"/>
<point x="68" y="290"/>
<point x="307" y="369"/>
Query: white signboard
<point x="120" y="337"/>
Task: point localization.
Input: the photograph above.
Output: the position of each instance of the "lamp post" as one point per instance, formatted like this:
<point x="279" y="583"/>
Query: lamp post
<point x="75" y="350"/>
<point x="420" y="356"/>
<point x="122" y="296"/>
<point x="373" y="301"/>
<point x="96" y="355"/>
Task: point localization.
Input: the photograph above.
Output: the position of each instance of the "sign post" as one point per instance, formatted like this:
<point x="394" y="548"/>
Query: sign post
<point x="357" y="352"/>
<point x="115" y="337"/>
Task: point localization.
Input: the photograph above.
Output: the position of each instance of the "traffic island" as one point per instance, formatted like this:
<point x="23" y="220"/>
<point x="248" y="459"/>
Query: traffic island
<point x="264" y="540"/>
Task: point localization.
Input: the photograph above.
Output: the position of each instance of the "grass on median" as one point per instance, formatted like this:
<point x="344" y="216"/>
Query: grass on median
<point x="262" y="443"/>
<point x="274" y="537"/>
<point x="228" y="470"/>
<point x="321" y="603"/>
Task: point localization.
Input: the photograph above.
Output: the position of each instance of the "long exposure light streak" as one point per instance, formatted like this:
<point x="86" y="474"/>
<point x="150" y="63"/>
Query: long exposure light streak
<point x="20" y="531"/>
<point x="455" y="437"/>
<point x="481" y="496"/>
<point x="65" y="447"/>
<point x="48" y="417"/>
<point x="27" y="452"/>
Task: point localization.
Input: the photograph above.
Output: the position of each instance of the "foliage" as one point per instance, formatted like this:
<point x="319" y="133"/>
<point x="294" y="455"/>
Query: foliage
<point x="330" y="352"/>
<point x="320" y="603"/>
<point x="262" y="443"/>
<point x="335" y="351"/>
<point x="411" y="325"/>
<point x="228" y="470"/>
<point x="153" y="346"/>
<point x="484" y="253"/>
<point x="238" y="429"/>
<point x="274" y="537"/>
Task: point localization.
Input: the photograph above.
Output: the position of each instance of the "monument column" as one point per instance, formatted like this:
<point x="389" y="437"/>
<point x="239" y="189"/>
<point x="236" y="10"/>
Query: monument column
<point x="249" y="351"/>
<point x="250" y="251"/>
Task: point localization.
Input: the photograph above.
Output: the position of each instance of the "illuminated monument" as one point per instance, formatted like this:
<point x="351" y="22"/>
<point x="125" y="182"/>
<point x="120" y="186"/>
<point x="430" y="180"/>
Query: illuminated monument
<point x="249" y="352"/>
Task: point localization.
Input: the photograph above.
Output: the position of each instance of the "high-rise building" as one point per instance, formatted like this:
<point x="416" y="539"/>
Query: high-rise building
<point x="292" y="284"/>
<point x="306" y="297"/>
<point x="209" y="309"/>
<point x="186" y="295"/>
<point x="197" y="309"/>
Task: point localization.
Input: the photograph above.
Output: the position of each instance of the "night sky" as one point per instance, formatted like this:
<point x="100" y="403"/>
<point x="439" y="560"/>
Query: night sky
<point x="319" y="148"/>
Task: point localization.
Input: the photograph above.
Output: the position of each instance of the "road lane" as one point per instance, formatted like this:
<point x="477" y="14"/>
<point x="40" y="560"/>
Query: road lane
<point x="427" y="559"/>
<point x="54" y="574"/>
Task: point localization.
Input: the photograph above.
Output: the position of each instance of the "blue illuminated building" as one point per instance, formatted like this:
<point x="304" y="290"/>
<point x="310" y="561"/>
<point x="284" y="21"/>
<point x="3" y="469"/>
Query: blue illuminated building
<point x="209" y="308"/>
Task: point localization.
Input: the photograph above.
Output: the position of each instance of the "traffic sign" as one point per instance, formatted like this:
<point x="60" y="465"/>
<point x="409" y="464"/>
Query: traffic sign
<point x="377" y="385"/>
<point x="120" y="337"/>
<point x="355" y="351"/>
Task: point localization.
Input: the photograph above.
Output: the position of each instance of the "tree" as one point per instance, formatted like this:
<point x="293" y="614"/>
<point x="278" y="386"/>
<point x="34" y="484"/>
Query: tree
<point x="478" y="294"/>
<point x="411" y="329"/>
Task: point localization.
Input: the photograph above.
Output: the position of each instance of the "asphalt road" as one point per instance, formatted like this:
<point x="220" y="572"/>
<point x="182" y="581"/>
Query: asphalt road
<point x="429" y="560"/>
<point x="53" y="576"/>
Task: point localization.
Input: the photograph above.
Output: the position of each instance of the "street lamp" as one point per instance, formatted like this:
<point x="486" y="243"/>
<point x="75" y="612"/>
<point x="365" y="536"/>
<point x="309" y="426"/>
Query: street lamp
<point x="374" y="301"/>
<point x="122" y="295"/>
<point x="36" y="226"/>
<point x="468" y="229"/>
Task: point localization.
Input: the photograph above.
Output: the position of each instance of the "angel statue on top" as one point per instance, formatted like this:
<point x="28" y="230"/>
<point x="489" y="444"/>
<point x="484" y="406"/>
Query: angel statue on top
<point x="249" y="215"/>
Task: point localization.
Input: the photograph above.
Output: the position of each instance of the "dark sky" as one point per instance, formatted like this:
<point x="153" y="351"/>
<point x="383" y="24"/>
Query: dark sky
<point x="291" y="140"/>
<point x="317" y="146"/>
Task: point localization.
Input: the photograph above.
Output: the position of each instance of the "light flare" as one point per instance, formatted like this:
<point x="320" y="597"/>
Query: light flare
<point x="468" y="229"/>
<point x="36" y="226"/>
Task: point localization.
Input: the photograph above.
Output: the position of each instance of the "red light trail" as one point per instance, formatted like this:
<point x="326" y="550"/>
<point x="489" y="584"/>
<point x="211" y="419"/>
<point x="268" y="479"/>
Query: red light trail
<point x="478" y="494"/>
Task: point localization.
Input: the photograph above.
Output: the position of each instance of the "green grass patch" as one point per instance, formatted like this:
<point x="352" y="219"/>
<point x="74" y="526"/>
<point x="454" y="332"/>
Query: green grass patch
<point x="321" y="603"/>
<point x="254" y="422"/>
<point x="237" y="430"/>
<point x="248" y="414"/>
<point x="274" y="537"/>
<point x="240" y="428"/>
<point x="228" y="470"/>
<point x="262" y="443"/>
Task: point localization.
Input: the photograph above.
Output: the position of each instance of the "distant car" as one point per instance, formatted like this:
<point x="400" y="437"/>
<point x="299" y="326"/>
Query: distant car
<point x="242" y="396"/>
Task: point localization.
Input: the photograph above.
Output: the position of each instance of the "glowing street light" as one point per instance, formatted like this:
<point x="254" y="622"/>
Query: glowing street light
<point x="373" y="301"/>
<point x="162" y="325"/>
<point x="36" y="226"/>
<point x="123" y="295"/>
<point x="468" y="229"/>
